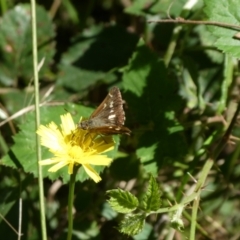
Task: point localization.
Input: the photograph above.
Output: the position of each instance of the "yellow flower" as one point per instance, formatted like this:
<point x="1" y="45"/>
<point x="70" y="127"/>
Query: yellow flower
<point x="72" y="145"/>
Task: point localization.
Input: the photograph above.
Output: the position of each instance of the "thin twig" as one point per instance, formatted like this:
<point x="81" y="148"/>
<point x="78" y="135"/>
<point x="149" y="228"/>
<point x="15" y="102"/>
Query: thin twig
<point x="28" y="109"/>
<point x="195" y="22"/>
<point x="55" y="6"/>
<point x="5" y="220"/>
<point x="20" y="219"/>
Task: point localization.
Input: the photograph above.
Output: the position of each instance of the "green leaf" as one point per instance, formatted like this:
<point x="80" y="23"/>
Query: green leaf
<point x="145" y="8"/>
<point x="153" y="101"/>
<point x="76" y="78"/>
<point x="16" y="43"/>
<point x="208" y="39"/>
<point x="87" y="231"/>
<point x="146" y="232"/>
<point x="10" y="194"/>
<point x="108" y="212"/>
<point x="9" y="197"/>
<point x="122" y="201"/>
<point x="93" y="55"/>
<point x="132" y="224"/>
<point x="147" y="85"/>
<point x="224" y="11"/>
<point x="146" y="155"/>
<point x="152" y="198"/>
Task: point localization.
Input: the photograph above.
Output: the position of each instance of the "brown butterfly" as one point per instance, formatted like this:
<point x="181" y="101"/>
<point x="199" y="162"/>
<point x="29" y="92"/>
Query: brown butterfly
<point x="109" y="117"/>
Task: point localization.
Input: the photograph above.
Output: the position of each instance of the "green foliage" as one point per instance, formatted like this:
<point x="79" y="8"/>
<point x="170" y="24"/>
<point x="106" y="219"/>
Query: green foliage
<point x="151" y="199"/>
<point x="122" y="201"/>
<point x="147" y="85"/>
<point x="180" y="84"/>
<point x="143" y="8"/>
<point x="16" y="43"/>
<point x="226" y="12"/>
<point x="79" y="71"/>
<point x="132" y="224"/>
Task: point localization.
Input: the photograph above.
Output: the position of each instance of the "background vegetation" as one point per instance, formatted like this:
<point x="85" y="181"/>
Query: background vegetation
<point x="181" y="87"/>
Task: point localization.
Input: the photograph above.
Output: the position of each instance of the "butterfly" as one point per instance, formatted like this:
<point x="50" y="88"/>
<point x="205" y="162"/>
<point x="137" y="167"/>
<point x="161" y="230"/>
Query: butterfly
<point x="109" y="117"/>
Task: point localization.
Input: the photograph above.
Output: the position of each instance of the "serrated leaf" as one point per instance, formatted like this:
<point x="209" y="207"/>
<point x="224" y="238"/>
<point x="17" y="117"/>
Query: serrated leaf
<point x="152" y="98"/>
<point x="16" y="43"/>
<point x="122" y="201"/>
<point x="147" y="85"/>
<point x="208" y="39"/>
<point x="76" y="78"/>
<point x="224" y="11"/>
<point x="152" y="197"/>
<point x="79" y="71"/>
<point x="132" y="224"/>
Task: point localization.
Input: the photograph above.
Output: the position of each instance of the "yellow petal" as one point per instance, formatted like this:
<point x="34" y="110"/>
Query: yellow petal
<point x="92" y="173"/>
<point x="68" y="125"/>
<point x="47" y="161"/>
<point x="105" y="148"/>
<point x="50" y="136"/>
<point x="97" y="160"/>
<point x="104" y="144"/>
<point x="57" y="166"/>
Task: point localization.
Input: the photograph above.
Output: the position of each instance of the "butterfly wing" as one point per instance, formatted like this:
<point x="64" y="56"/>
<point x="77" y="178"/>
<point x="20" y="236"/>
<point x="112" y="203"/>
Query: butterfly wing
<point x="110" y="111"/>
<point x="109" y="117"/>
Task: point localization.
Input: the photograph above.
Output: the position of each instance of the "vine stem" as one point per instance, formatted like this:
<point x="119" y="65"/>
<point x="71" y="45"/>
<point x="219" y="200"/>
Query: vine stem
<point x="195" y="22"/>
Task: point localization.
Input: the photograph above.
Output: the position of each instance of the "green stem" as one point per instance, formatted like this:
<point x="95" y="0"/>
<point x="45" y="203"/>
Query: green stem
<point x="4" y="6"/>
<point x="227" y="134"/>
<point x="37" y="117"/>
<point x="3" y="146"/>
<point x="71" y="10"/>
<point x="228" y="76"/>
<point x="201" y="229"/>
<point x="171" y="47"/>
<point x="70" y="202"/>
<point x="194" y="218"/>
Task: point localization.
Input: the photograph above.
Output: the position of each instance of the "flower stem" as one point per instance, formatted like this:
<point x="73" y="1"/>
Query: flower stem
<point x="70" y="201"/>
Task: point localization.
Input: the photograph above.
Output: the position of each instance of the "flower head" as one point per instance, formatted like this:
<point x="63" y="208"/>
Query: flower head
<point x="72" y="145"/>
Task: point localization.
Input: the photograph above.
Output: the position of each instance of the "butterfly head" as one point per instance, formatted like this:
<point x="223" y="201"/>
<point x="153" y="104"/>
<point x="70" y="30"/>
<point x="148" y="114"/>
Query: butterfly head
<point x="84" y="124"/>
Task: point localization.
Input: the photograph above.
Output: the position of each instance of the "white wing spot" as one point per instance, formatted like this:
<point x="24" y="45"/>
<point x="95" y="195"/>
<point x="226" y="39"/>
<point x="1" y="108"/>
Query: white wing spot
<point x="111" y="110"/>
<point x="117" y="129"/>
<point x="111" y="116"/>
<point x="111" y="104"/>
<point x="110" y="95"/>
<point x="104" y="105"/>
